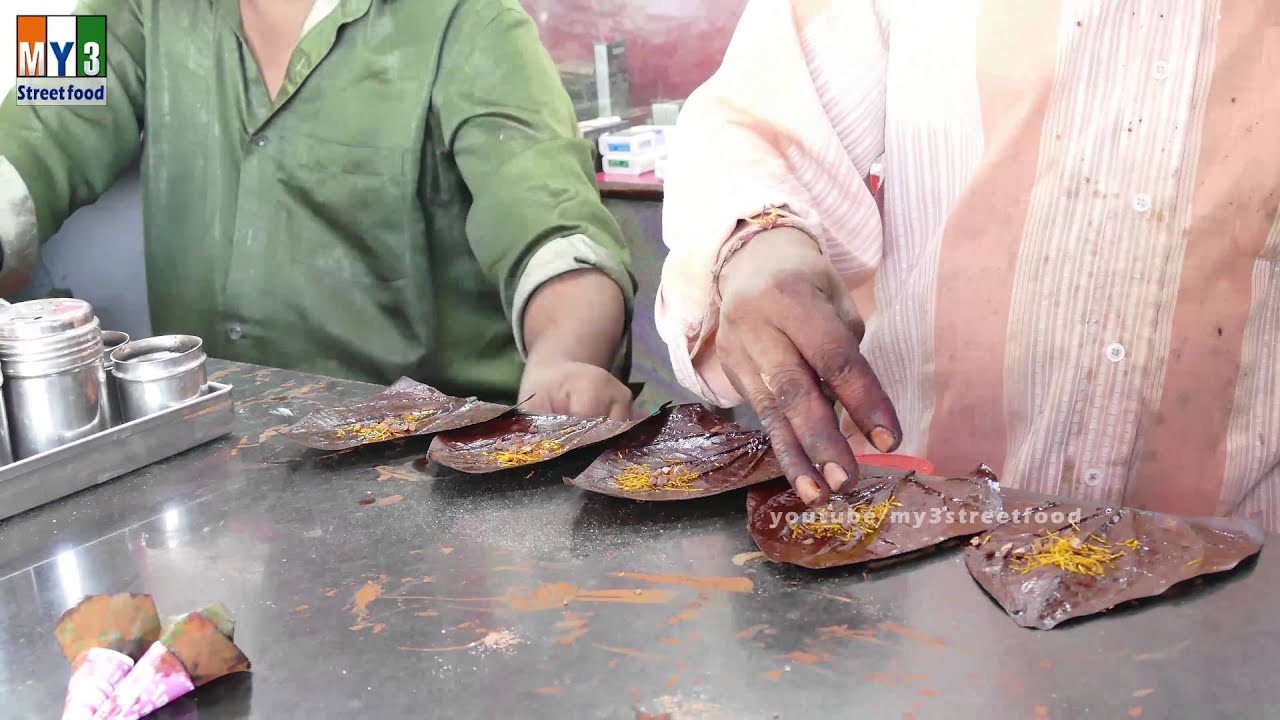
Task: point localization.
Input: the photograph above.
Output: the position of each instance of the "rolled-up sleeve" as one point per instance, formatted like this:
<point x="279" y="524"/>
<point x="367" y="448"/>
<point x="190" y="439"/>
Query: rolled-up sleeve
<point x="770" y="129"/>
<point x="536" y="212"/>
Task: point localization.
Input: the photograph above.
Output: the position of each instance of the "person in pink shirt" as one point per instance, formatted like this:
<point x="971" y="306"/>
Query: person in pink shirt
<point x="1075" y="254"/>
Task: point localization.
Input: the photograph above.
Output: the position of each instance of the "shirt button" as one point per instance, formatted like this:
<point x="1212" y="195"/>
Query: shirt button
<point x="1115" y="352"/>
<point x="234" y="332"/>
<point x="259" y="140"/>
<point x="1142" y="202"/>
<point x="1093" y="477"/>
<point x="1160" y="70"/>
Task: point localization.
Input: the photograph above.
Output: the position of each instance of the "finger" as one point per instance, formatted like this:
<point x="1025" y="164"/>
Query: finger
<point x="588" y="401"/>
<point x="620" y="408"/>
<point x="830" y="346"/>
<point x="535" y="403"/>
<point x="786" y="446"/>
<point x="812" y="417"/>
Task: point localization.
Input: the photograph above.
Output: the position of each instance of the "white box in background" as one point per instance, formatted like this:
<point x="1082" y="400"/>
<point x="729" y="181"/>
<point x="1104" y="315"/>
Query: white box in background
<point x="662" y="137"/>
<point x="632" y="141"/>
<point x="629" y="164"/>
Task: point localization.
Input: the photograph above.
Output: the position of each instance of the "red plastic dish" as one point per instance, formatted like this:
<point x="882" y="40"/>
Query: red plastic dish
<point x="898" y="462"/>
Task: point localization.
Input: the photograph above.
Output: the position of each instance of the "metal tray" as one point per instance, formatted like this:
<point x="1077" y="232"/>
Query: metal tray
<point x="68" y="469"/>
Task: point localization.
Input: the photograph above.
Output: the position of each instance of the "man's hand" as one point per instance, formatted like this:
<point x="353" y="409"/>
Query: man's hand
<point x="572" y="327"/>
<point x="574" y="388"/>
<point x="787" y="329"/>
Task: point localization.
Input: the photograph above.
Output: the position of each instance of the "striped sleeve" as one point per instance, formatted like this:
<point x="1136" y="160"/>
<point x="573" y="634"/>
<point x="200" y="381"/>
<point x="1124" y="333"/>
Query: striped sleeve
<point x="762" y="132"/>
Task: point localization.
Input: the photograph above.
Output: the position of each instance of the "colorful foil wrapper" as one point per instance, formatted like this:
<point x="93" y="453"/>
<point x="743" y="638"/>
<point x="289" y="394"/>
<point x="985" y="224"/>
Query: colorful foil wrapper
<point x="1057" y="561"/>
<point x="518" y="440"/>
<point x="406" y="409"/>
<point x="192" y="652"/>
<point x="889" y="514"/>
<point x="157" y="679"/>
<point x="94" y="676"/>
<point x="681" y="453"/>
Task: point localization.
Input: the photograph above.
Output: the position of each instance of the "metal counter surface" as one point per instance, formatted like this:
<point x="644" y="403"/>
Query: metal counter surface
<point x="514" y="595"/>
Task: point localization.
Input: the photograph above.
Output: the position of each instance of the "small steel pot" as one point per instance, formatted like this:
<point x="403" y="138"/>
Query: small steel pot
<point x="112" y="339"/>
<point x="51" y="356"/>
<point x="158" y="373"/>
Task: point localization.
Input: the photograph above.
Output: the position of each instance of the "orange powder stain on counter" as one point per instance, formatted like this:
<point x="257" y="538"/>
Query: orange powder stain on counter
<point x="689" y="612"/>
<point x="771" y="675"/>
<point x="370" y="591"/>
<point x="804" y="658"/>
<point x="392" y="500"/>
<point x="552" y="691"/>
<point x="300" y="608"/>
<point x="1041" y="711"/>
<point x="719" y="584"/>
<point x="628" y="652"/>
<point x="552" y="595"/>
<point x="842" y="632"/>
<point x="1135" y="711"/>
<point x="751" y="632"/>
<point x="262" y="438"/>
<point x="910" y="634"/>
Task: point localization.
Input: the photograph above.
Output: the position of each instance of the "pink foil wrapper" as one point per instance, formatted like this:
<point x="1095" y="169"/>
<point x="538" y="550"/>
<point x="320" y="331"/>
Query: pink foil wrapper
<point x="94" y="675"/>
<point x="156" y="680"/>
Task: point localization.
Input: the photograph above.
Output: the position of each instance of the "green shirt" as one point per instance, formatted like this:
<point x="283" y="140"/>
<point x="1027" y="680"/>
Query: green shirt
<point x="417" y="176"/>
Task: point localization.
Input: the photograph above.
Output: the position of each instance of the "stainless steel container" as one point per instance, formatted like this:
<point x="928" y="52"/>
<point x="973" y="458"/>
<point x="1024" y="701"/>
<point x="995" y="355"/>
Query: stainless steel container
<point x="157" y="373"/>
<point x="51" y="358"/>
<point x="112" y="339"/>
<point x="6" y="451"/>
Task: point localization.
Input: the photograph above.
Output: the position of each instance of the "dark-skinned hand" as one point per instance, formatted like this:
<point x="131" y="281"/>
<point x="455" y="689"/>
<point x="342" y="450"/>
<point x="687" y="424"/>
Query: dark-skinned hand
<point x="787" y="330"/>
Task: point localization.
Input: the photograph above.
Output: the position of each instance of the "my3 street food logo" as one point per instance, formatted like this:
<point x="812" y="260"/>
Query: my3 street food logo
<point x="62" y="60"/>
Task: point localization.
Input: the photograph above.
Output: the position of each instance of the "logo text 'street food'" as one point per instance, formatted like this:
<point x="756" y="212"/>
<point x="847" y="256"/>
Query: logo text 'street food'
<point x="62" y="60"/>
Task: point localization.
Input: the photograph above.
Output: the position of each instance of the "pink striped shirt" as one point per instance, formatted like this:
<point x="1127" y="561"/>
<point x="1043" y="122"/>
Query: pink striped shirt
<point x="1076" y="260"/>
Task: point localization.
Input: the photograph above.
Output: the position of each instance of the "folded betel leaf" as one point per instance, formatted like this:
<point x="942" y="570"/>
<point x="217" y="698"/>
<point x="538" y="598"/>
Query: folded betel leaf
<point x="681" y="453"/>
<point x="890" y="513"/>
<point x="1056" y="561"/>
<point x="126" y="623"/>
<point x="102" y="636"/>
<point x="217" y="613"/>
<point x="191" y="653"/>
<point x="518" y="439"/>
<point x="406" y="409"/>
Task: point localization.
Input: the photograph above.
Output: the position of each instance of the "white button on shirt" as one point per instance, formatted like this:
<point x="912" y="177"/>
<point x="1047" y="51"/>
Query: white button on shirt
<point x="1160" y="70"/>
<point x="1142" y="202"/>
<point x="1115" y="352"/>
<point x="1092" y="477"/>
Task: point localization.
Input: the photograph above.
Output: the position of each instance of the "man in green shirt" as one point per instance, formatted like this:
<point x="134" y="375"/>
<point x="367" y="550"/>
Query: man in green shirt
<point x="359" y="188"/>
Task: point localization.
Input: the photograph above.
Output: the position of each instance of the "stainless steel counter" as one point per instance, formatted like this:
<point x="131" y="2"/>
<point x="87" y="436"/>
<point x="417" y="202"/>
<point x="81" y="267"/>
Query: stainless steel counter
<point x="513" y="595"/>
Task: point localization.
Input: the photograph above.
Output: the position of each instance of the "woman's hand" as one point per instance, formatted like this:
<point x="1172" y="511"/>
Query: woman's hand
<point x="788" y="329"/>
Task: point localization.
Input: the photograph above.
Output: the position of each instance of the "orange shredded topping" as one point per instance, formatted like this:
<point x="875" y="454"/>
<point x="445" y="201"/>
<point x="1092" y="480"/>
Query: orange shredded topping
<point x="861" y="521"/>
<point x="642" y="478"/>
<point x="389" y="429"/>
<point x="1070" y="553"/>
<point x="525" y="455"/>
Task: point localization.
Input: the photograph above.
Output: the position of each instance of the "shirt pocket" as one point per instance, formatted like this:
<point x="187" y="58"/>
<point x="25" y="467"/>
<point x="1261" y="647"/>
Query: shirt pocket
<point x="346" y="210"/>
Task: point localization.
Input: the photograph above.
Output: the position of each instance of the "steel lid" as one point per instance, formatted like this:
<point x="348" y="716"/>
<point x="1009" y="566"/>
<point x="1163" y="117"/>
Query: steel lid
<point x="35" y="319"/>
